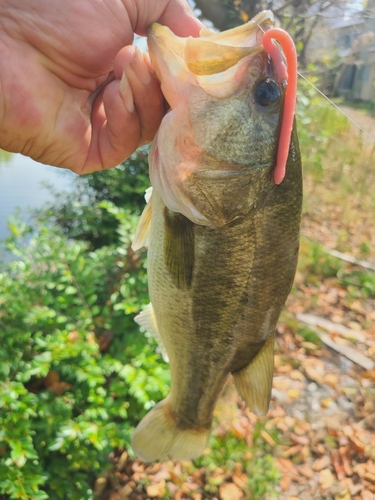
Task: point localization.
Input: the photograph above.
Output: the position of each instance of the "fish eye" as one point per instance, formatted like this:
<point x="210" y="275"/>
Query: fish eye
<point x="267" y="92"/>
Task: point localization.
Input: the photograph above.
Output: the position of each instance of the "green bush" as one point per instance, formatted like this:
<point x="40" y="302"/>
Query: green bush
<point x="80" y="215"/>
<point x="75" y="373"/>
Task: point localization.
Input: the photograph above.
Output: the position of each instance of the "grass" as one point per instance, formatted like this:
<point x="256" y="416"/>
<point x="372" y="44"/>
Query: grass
<point x="367" y="107"/>
<point x="339" y="182"/>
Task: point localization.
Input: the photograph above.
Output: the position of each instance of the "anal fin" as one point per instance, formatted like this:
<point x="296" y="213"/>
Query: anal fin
<point x="254" y="382"/>
<point x="147" y="320"/>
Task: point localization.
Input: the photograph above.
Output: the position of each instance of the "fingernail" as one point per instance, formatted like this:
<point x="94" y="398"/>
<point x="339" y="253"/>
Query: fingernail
<point x="147" y="59"/>
<point x="126" y="93"/>
<point x="139" y="67"/>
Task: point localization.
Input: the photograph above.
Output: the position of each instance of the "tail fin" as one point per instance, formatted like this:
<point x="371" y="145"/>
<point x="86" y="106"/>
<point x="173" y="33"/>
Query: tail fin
<point x="158" y="437"/>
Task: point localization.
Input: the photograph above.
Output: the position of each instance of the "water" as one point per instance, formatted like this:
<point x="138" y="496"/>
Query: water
<point x="21" y="186"/>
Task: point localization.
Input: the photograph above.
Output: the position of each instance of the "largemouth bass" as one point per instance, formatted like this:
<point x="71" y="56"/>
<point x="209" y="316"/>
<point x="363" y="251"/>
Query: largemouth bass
<point x="222" y="227"/>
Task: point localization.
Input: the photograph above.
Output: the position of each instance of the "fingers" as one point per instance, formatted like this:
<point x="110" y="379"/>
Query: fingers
<point x="148" y="99"/>
<point x="127" y="113"/>
<point x="176" y="14"/>
<point x="179" y="17"/>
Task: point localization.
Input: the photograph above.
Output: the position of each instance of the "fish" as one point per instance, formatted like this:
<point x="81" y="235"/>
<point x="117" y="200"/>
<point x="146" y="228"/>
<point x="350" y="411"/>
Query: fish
<point x="221" y="225"/>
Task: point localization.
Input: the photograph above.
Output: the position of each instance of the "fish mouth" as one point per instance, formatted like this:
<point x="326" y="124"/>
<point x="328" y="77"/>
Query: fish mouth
<point x="189" y="59"/>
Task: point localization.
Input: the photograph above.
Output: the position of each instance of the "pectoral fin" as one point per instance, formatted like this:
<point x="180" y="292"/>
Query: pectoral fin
<point x="147" y="320"/>
<point x="254" y="382"/>
<point x="142" y="233"/>
<point x="179" y="248"/>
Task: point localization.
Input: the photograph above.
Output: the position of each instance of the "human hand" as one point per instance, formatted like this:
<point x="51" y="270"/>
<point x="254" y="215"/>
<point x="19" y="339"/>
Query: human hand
<point x="74" y="92"/>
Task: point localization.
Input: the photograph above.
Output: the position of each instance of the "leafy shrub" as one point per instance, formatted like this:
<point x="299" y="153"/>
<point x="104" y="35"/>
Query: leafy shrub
<point x="75" y="374"/>
<point x="80" y="215"/>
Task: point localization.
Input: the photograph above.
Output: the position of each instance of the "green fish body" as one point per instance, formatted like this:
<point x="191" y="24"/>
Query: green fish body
<point x="222" y="237"/>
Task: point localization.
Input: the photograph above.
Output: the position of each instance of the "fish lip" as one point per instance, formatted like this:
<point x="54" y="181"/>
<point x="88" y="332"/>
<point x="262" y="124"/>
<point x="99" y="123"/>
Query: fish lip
<point x="168" y="50"/>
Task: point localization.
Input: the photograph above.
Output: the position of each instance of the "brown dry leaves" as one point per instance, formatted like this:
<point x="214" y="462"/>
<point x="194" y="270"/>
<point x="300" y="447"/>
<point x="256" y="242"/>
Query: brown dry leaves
<point x="323" y="405"/>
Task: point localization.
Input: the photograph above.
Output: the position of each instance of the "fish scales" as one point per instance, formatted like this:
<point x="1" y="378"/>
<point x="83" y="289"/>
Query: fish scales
<point x="222" y="240"/>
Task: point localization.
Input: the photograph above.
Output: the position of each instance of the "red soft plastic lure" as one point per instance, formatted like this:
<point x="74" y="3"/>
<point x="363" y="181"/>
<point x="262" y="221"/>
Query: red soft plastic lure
<point x="285" y="74"/>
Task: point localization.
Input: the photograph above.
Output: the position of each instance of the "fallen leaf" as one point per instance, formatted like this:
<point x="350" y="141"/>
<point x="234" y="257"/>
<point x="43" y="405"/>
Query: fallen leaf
<point x="122" y="461"/>
<point x="345" y="456"/>
<point x="306" y="471"/>
<point x="302" y="427"/>
<point x="314" y="375"/>
<point x="285" y="368"/>
<point x="229" y="491"/>
<point x="321" y="463"/>
<point x="280" y="383"/>
<point x="172" y="488"/>
<point x="293" y="451"/>
<point x="356" y="444"/>
<point x="156" y="490"/>
<point x="326" y="402"/>
<point x="290" y="421"/>
<point x="326" y="479"/>
<point x="285" y="482"/>
<point x="304" y="453"/>
<point x="309" y="346"/>
<point x="344" y="495"/>
<point x="299" y="439"/>
<point x="126" y="491"/>
<point x="367" y="495"/>
<point x="100" y="485"/>
<point x="267" y="438"/>
<point x="338" y="465"/>
<point x="369" y="374"/>
<point x="366" y="471"/>
<point x="297" y="375"/>
<point x="240" y="481"/>
<point x="238" y="430"/>
<point x="369" y="476"/>
<point x="286" y="466"/>
<point x="114" y="496"/>
<point x="294" y="393"/>
<point x="331" y="380"/>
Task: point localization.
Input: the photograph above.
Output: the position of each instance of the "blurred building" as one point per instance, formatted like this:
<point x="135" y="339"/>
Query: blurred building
<point x="345" y="39"/>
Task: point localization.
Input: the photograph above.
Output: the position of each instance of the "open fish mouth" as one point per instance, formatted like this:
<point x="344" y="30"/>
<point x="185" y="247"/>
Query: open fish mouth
<point x="202" y="61"/>
<point x="211" y="53"/>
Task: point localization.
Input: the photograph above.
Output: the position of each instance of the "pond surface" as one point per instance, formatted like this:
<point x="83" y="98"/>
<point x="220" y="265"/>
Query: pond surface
<point x="21" y="186"/>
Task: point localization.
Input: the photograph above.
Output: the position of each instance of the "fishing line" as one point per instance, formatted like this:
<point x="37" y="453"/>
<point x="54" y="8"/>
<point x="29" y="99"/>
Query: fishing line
<point x="337" y="107"/>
